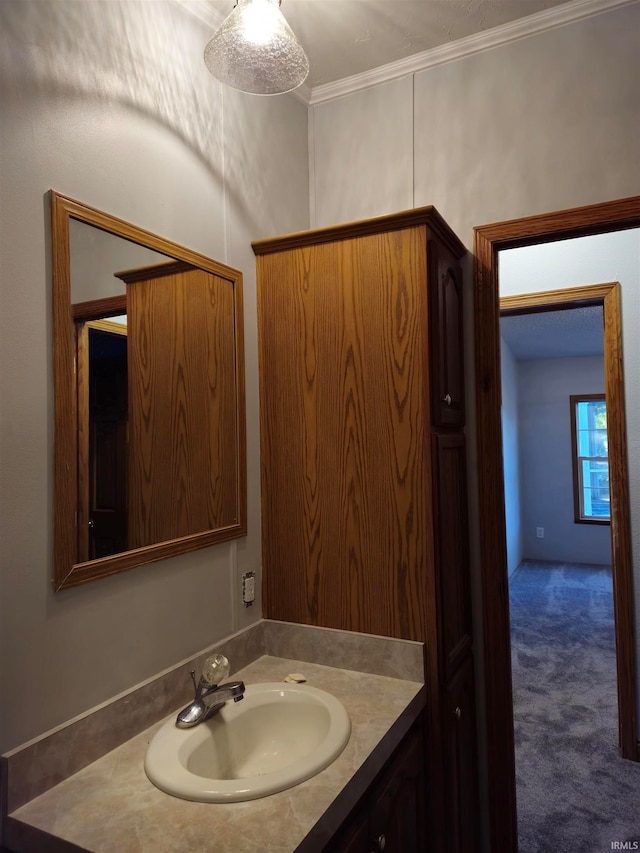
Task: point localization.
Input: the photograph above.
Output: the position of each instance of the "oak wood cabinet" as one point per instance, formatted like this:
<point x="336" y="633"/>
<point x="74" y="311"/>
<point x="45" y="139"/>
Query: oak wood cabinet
<point x="364" y="503"/>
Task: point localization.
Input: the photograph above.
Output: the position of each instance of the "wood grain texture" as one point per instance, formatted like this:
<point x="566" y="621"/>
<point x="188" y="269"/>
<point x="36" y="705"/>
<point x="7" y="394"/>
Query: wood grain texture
<point x="621" y="547"/>
<point x="347" y="322"/>
<point x="562" y="224"/>
<point x="110" y="306"/>
<point x="68" y="570"/>
<point x="488" y="240"/>
<point x="65" y="207"/>
<point x="347" y="543"/>
<point x="361" y="228"/>
<point x="65" y="402"/>
<point x="182" y="459"/>
<point x="553" y="300"/>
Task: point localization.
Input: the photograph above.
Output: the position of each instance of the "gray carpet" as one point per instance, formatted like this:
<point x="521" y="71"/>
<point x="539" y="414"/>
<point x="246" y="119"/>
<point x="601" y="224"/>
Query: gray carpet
<point x="575" y="794"/>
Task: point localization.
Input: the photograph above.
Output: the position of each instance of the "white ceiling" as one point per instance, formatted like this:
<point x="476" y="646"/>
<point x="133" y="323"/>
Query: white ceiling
<point x="351" y="38"/>
<point x="347" y="37"/>
<point x="554" y="334"/>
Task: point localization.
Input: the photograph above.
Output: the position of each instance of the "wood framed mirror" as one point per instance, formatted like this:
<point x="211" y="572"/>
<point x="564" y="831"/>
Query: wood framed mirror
<point x="149" y="408"/>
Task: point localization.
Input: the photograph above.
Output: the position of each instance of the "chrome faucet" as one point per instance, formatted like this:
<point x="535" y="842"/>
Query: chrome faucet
<point x="210" y="695"/>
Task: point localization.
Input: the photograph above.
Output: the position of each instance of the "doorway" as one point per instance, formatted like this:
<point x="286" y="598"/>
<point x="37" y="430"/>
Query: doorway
<point x="572" y="788"/>
<point x="102" y="400"/>
<point x="595" y="219"/>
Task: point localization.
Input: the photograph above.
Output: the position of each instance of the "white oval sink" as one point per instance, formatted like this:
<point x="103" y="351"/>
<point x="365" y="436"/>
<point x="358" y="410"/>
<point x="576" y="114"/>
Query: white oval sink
<point x="276" y="737"/>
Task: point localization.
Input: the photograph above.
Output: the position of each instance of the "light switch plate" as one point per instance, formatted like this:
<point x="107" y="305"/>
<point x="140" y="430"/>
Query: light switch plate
<point x="248" y="588"/>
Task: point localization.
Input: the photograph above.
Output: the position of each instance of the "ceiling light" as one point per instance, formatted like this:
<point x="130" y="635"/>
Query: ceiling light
<point x="256" y="51"/>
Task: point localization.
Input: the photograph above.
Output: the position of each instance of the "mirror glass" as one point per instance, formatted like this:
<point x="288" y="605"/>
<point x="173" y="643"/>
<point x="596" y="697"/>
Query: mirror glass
<point x="150" y="457"/>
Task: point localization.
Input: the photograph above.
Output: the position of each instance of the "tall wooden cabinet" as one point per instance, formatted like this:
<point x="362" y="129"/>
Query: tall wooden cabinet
<point x="364" y="507"/>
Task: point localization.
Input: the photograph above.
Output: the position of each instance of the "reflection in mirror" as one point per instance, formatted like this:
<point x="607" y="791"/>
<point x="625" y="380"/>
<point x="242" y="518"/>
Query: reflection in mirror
<point x="95" y="255"/>
<point x="149" y="396"/>
<point x="102" y="437"/>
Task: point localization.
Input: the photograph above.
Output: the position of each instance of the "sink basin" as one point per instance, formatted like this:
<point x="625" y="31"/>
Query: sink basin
<point x="276" y="737"/>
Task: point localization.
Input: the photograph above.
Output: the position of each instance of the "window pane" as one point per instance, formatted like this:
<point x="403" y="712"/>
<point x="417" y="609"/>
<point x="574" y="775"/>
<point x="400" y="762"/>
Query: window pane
<point x="591" y="461"/>
<point x="592" y="442"/>
<point x="592" y="414"/>
<point x="595" y="489"/>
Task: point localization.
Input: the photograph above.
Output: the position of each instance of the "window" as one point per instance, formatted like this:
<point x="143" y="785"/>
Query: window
<point x="590" y="458"/>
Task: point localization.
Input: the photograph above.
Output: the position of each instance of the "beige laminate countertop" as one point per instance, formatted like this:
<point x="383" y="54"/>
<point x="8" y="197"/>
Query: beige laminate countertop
<point x="111" y="807"/>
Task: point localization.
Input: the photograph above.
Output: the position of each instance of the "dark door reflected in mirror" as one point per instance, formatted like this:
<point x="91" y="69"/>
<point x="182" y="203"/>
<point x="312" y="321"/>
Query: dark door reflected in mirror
<point x="105" y="532"/>
<point x="149" y="396"/>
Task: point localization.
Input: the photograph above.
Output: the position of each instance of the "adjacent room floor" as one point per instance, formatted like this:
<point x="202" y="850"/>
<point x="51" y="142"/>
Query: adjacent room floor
<point x="574" y="791"/>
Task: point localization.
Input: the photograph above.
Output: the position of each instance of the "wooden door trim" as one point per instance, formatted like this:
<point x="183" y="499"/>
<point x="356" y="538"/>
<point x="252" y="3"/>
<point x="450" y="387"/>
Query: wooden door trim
<point x="488" y="240"/>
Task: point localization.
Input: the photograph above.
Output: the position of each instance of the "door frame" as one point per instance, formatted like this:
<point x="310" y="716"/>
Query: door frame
<point x="488" y="241"/>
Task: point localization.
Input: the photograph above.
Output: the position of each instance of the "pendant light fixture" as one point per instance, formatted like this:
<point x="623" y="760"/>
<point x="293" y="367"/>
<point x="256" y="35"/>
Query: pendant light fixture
<point x="256" y="51"/>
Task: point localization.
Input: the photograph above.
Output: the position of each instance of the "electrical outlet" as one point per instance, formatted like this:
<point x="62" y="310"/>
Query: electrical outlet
<point x="248" y="588"/>
<point x="540" y="532"/>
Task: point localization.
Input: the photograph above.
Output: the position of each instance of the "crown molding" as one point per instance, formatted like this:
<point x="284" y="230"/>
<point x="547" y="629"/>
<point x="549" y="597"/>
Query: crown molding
<point x="505" y="34"/>
<point x="549" y="19"/>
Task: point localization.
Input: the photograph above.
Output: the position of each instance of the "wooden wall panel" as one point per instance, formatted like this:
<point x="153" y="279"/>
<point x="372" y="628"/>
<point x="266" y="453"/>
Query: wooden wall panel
<point x="344" y="431"/>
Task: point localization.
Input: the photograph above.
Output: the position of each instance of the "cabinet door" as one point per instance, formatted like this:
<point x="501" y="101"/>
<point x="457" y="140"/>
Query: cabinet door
<point x="452" y="550"/>
<point x="447" y="358"/>
<point x="460" y="761"/>
<point x="398" y="809"/>
<point x="392" y="815"/>
<point x="356" y="838"/>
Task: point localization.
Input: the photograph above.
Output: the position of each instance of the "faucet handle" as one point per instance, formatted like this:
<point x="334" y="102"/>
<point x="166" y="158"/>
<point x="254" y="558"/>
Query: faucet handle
<point x="215" y="669"/>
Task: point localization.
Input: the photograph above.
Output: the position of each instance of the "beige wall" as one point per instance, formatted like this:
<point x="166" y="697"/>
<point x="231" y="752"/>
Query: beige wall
<point x="361" y="154"/>
<point x="111" y="104"/>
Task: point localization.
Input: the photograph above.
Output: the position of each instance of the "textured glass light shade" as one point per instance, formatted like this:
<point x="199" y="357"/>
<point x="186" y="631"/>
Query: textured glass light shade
<point x="256" y="51"/>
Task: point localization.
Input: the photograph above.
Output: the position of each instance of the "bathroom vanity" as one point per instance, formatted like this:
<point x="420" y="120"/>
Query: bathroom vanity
<point x="372" y="794"/>
<point x="364" y="511"/>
